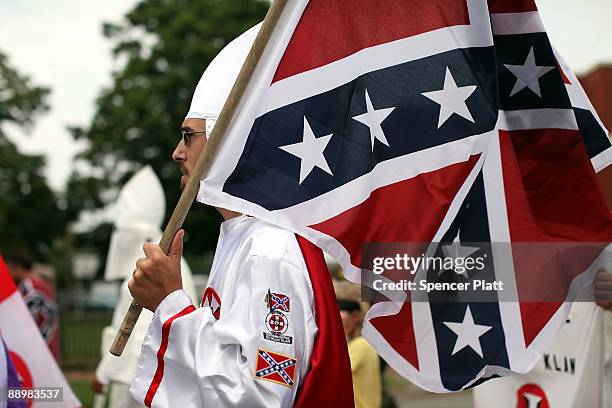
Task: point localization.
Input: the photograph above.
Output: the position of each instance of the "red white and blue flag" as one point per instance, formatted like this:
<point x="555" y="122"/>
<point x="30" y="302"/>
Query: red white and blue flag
<point x="26" y="351"/>
<point x="422" y="121"/>
<point x="275" y="367"/>
<point x="278" y="301"/>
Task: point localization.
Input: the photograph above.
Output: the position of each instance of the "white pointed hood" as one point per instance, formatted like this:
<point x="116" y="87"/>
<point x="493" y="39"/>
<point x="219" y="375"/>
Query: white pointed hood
<point x="141" y="202"/>
<point x="217" y="81"/>
<point x="139" y="213"/>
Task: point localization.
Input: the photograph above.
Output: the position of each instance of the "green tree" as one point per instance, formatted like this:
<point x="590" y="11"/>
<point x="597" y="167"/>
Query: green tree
<point x="30" y="219"/>
<point x="164" y="47"/>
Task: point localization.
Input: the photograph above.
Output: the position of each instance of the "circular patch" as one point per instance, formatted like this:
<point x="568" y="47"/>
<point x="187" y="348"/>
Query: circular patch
<point x="531" y="396"/>
<point x="277" y="322"/>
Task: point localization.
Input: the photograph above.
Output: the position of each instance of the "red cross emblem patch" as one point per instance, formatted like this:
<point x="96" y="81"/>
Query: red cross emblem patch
<point x="275" y="367"/>
<point x="277" y="322"/>
<point x="211" y="299"/>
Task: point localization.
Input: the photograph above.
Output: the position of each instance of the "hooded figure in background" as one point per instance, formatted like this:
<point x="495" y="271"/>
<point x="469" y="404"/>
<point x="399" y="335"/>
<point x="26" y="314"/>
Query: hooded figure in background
<point x="139" y="213"/>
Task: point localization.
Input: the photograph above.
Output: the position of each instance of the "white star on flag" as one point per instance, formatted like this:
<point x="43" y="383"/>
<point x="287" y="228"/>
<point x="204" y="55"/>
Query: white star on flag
<point x="468" y="333"/>
<point x="456" y="250"/>
<point x="528" y="75"/>
<point x="451" y="99"/>
<point x="373" y="119"/>
<point x="309" y="151"/>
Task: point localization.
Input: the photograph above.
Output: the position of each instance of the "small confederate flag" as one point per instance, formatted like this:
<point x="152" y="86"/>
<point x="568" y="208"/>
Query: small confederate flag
<point x="275" y="367"/>
<point x="278" y="301"/>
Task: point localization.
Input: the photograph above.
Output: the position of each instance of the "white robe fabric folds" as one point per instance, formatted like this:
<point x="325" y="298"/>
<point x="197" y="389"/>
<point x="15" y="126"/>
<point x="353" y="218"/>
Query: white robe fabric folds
<point x="251" y="342"/>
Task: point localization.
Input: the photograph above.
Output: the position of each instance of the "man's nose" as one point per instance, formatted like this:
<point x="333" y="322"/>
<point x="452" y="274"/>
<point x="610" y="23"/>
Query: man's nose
<point x="179" y="155"/>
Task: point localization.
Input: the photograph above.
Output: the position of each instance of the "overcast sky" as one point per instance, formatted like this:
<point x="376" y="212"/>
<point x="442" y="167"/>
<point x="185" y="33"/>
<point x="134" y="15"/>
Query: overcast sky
<point x="60" y="45"/>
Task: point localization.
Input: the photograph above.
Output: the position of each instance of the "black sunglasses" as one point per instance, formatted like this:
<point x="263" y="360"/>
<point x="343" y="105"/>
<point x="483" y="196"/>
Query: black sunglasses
<point x="187" y="135"/>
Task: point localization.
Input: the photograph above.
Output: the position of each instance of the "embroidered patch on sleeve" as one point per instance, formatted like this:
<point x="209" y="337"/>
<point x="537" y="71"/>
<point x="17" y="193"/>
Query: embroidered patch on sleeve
<point x="277" y="338"/>
<point x="278" y="302"/>
<point x="275" y="367"/>
<point x="277" y="323"/>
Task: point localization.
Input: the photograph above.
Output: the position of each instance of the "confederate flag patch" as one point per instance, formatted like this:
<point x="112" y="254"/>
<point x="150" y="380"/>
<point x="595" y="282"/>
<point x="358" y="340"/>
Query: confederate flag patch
<point x="278" y="301"/>
<point x="275" y="367"/>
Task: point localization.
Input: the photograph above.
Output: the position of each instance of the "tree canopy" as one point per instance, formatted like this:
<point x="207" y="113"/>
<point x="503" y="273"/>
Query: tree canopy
<point x="163" y="47"/>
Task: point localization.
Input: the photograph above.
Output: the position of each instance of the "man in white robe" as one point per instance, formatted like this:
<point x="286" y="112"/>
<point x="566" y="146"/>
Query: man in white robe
<point x="269" y="332"/>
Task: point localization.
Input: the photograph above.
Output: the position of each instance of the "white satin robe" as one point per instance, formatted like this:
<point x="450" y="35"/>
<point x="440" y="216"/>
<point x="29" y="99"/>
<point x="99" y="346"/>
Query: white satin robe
<point x="191" y="359"/>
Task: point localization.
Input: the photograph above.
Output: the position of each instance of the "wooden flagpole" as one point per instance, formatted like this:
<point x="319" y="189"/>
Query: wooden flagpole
<point x="206" y="158"/>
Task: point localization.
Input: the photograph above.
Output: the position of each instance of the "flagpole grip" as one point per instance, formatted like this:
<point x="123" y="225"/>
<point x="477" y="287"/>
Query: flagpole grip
<point x="206" y="158"/>
<point x="127" y="325"/>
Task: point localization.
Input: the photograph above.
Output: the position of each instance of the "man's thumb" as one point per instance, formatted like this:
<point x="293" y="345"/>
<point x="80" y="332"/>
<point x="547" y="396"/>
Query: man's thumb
<point x="176" y="249"/>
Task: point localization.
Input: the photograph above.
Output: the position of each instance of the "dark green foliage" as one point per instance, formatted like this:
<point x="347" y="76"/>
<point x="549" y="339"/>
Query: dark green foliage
<point x="20" y="101"/>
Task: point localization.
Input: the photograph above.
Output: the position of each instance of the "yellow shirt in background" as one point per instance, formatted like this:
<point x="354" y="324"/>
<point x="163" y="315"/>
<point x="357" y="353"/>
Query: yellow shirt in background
<point x="367" y="385"/>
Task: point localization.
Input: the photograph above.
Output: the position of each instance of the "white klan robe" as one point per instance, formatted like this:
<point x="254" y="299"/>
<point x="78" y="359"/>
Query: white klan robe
<point x="139" y="212"/>
<point x="211" y="354"/>
<point x="269" y="332"/>
<point x="268" y="335"/>
<point x="576" y="371"/>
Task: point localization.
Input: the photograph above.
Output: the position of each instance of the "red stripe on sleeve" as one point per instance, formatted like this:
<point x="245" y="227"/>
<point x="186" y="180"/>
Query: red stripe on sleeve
<point x="333" y="29"/>
<point x="159" y="372"/>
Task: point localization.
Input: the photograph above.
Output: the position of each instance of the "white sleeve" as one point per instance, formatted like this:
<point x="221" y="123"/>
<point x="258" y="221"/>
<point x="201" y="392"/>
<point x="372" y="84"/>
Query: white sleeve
<point x="251" y="356"/>
<point x="121" y="369"/>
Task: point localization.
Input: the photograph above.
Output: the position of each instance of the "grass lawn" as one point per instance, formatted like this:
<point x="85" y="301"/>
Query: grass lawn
<point x="83" y="392"/>
<point x="80" y="344"/>
<point x="80" y="338"/>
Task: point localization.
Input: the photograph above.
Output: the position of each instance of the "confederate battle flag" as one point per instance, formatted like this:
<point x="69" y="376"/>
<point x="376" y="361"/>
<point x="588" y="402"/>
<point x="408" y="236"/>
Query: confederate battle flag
<point x="385" y="121"/>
